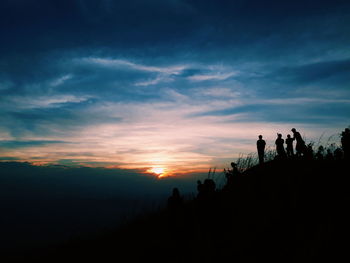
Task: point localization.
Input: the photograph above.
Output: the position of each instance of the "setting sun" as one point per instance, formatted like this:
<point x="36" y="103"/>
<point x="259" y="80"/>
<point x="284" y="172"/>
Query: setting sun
<point x="157" y="170"/>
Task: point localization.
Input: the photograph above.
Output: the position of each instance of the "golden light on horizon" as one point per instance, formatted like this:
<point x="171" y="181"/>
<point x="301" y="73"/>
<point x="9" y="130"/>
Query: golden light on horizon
<point x="159" y="171"/>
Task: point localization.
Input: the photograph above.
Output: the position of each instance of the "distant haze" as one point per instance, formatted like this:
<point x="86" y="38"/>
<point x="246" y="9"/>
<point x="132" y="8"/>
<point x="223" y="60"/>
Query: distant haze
<point x="44" y="205"/>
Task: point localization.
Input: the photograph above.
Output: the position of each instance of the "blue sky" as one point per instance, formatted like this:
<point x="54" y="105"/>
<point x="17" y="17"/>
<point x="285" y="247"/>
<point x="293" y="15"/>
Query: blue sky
<point x="168" y="83"/>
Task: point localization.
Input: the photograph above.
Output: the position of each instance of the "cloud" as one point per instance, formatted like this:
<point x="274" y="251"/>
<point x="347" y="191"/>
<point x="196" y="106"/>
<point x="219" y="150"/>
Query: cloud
<point x="157" y="80"/>
<point x="21" y="144"/>
<point x="59" y="81"/>
<point x="215" y="76"/>
<point x="119" y="63"/>
<point x="177" y="83"/>
<point x="44" y="101"/>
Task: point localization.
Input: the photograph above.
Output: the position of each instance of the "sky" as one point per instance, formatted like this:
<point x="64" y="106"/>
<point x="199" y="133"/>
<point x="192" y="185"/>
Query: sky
<point x="169" y="84"/>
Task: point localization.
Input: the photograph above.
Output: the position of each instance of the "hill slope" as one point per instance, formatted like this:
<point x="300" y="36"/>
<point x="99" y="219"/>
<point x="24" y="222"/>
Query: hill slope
<point x="281" y="211"/>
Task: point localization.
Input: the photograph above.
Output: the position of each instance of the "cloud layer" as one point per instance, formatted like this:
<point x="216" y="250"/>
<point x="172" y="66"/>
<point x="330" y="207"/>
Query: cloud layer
<point x="180" y="84"/>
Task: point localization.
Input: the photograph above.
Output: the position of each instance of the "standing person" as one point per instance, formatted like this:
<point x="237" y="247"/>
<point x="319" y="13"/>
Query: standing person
<point x="289" y="142"/>
<point x="175" y="201"/>
<point x="300" y="146"/>
<point x="345" y="143"/>
<point x="280" y="146"/>
<point x="260" y="144"/>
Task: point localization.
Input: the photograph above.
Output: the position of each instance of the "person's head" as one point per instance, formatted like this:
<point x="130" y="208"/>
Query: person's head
<point x="199" y="182"/>
<point x="279" y="135"/>
<point x="233" y="165"/>
<point x="293" y="130"/>
<point x="288" y="135"/>
<point x="176" y="192"/>
<point x="347" y="130"/>
<point x="260" y="137"/>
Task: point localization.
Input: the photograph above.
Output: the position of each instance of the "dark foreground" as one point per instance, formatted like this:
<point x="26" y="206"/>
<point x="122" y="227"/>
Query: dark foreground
<point x="281" y="211"/>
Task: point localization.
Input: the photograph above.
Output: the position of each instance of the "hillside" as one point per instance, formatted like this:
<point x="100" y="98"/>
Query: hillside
<point x="281" y="211"/>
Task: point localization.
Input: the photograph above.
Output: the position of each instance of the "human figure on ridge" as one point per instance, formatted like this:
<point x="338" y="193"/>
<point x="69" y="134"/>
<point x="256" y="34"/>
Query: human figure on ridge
<point x="200" y="189"/>
<point x="280" y="146"/>
<point x="300" y="145"/>
<point x="320" y="153"/>
<point x="175" y="201"/>
<point x="289" y="142"/>
<point x="345" y="143"/>
<point x="338" y="154"/>
<point x="260" y="144"/>
<point x="231" y="174"/>
<point x="329" y="155"/>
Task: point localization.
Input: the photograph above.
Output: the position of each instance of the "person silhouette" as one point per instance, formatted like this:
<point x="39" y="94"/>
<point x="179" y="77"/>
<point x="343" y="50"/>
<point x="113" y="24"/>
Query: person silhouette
<point x="279" y="146"/>
<point x="200" y="189"/>
<point x="345" y="142"/>
<point x="320" y="153"/>
<point x="210" y="187"/>
<point x="231" y="174"/>
<point x="235" y="170"/>
<point x="309" y="152"/>
<point x="260" y="144"/>
<point x="289" y="142"/>
<point x="329" y="155"/>
<point x="175" y="201"/>
<point x="300" y="145"/>
<point x="338" y="154"/>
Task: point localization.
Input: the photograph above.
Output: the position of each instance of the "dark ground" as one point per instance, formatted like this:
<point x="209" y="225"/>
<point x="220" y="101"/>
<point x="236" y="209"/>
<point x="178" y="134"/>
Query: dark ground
<point x="281" y="211"/>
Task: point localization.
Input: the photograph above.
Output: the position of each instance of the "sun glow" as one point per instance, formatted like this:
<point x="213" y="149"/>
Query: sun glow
<point x="160" y="171"/>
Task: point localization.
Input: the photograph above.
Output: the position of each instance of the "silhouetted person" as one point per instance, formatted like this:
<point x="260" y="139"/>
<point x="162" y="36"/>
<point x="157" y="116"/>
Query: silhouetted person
<point x="200" y="189"/>
<point x="260" y="144"/>
<point x="319" y="154"/>
<point x="338" y="154"/>
<point x="235" y="170"/>
<point x="309" y="152"/>
<point x="300" y="145"/>
<point x="175" y="201"/>
<point x="209" y="186"/>
<point x="231" y="174"/>
<point x="289" y="142"/>
<point x="176" y="217"/>
<point x="345" y="142"/>
<point x="280" y="146"/>
<point x="329" y="155"/>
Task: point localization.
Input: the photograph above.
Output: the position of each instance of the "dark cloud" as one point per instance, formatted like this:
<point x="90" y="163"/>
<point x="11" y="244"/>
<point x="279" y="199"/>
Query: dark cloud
<point x="9" y="158"/>
<point x="21" y="144"/>
<point x="55" y="25"/>
<point x="304" y="111"/>
<point x="314" y="72"/>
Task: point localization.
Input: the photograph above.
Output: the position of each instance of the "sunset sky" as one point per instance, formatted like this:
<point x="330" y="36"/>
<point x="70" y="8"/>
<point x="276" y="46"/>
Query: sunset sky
<point x="169" y="84"/>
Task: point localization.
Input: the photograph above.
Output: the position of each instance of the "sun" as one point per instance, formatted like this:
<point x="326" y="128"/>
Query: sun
<point x="157" y="170"/>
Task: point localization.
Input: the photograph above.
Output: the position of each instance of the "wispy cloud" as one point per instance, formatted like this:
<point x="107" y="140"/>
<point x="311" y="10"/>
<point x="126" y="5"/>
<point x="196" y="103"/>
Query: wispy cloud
<point x="59" y="81"/>
<point x="119" y="63"/>
<point x="212" y="76"/>
<point x="44" y="101"/>
<point x="159" y="79"/>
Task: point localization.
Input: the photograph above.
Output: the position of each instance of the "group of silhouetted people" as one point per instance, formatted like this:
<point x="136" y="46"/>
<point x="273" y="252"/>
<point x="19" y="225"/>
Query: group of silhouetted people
<point x="301" y="149"/>
<point x="282" y="152"/>
<point x="207" y="189"/>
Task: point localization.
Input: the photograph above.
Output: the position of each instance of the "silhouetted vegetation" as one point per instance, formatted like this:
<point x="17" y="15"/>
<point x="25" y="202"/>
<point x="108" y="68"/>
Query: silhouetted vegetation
<point x="290" y="209"/>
